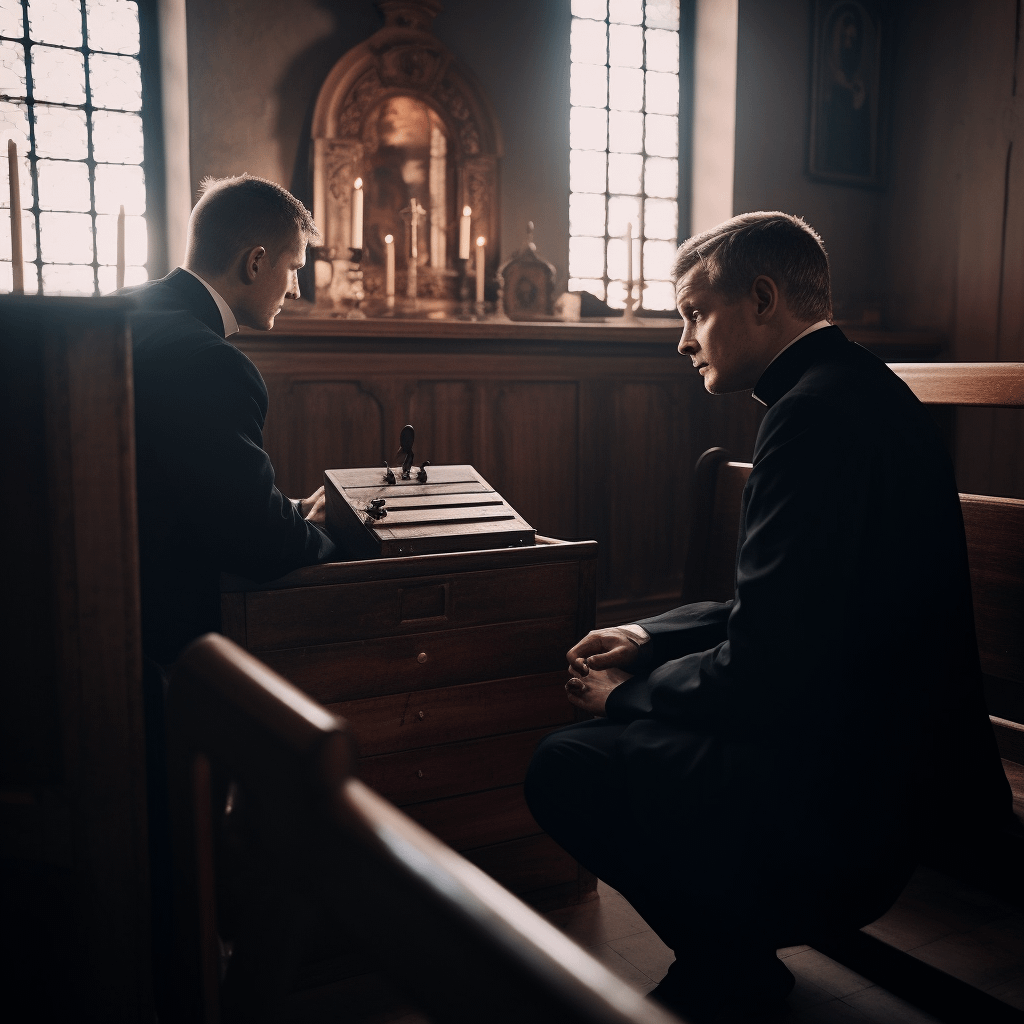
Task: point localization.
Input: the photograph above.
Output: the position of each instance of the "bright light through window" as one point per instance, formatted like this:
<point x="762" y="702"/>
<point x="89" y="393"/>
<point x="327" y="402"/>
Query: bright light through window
<point x="624" y="148"/>
<point x="71" y="98"/>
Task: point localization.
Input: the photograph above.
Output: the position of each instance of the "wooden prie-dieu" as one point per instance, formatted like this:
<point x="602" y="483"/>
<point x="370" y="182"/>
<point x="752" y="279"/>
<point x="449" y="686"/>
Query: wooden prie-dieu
<point x="449" y="666"/>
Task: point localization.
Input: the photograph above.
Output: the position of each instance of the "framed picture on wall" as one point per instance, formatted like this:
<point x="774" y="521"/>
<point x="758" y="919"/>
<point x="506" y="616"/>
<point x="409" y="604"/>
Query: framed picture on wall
<point x="847" y="82"/>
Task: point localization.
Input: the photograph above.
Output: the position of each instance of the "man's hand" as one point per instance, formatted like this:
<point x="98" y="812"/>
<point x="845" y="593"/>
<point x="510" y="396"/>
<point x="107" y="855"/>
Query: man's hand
<point x="591" y="693"/>
<point x="601" y="649"/>
<point x="314" y="508"/>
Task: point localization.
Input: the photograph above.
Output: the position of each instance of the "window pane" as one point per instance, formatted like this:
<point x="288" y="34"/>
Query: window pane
<point x="63" y="186"/>
<point x="658" y="258"/>
<point x="661" y="219"/>
<point x="132" y="275"/>
<point x="617" y="294"/>
<point x="113" y="25"/>
<point x="135" y="239"/>
<point x="626" y="132"/>
<point x="115" y="82"/>
<point x="118" y="184"/>
<point x="60" y="132"/>
<point x="588" y="85"/>
<point x="595" y="287"/>
<point x="586" y="171"/>
<point x="662" y="93"/>
<point x="586" y="257"/>
<point x="11" y="21"/>
<point x="58" y="75"/>
<point x="617" y="257"/>
<point x="14" y="125"/>
<point x="28" y="239"/>
<point x="626" y="91"/>
<point x="590" y="9"/>
<point x="662" y="51"/>
<point x="628" y="12"/>
<point x="12" y="70"/>
<point x="55" y="21"/>
<point x="586" y="214"/>
<point x="623" y="210"/>
<point x="588" y="42"/>
<point x="624" y="173"/>
<point x="662" y="14"/>
<point x="661" y="178"/>
<point x="66" y="237"/>
<point x="627" y="47"/>
<point x="661" y="136"/>
<point x="659" y="295"/>
<point x="117" y="138"/>
<point x="588" y="128"/>
<point x="64" y="280"/>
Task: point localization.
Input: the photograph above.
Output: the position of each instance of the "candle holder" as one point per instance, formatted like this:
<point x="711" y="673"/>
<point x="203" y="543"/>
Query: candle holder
<point x="627" y="313"/>
<point x="356" y="294"/>
<point x="464" y="306"/>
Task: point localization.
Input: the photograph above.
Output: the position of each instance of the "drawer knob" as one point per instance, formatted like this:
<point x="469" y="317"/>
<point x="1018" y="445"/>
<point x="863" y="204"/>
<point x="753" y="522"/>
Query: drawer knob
<point x="419" y="773"/>
<point x="422" y="657"/>
<point x="421" y="715"/>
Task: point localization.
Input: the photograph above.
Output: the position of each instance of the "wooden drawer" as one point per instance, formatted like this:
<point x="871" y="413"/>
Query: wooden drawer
<point x="374" y="668"/>
<point x="477" y="819"/>
<point x="307" y="616"/>
<point x="453" y="769"/>
<point x="404" y="721"/>
<point x="526" y="865"/>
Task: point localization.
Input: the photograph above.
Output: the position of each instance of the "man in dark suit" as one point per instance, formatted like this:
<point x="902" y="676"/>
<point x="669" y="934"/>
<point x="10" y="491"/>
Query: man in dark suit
<point x="760" y="770"/>
<point x="206" y="494"/>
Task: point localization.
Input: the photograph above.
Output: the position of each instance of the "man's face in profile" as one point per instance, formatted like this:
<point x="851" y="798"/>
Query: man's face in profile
<point x="276" y="279"/>
<point x="718" y="334"/>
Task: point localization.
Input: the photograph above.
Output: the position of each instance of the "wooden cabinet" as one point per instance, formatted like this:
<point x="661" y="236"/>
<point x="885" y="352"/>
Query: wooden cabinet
<point x="450" y="669"/>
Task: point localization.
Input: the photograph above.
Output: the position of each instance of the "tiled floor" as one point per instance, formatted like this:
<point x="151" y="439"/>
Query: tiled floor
<point x="958" y="930"/>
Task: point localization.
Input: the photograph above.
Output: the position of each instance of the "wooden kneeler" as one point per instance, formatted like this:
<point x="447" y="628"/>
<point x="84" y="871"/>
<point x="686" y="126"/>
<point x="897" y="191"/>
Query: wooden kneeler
<point x="457" y="944"/>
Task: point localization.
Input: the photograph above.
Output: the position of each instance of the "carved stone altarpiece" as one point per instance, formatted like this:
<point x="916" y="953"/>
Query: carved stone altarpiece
<point x="400" y="113"/>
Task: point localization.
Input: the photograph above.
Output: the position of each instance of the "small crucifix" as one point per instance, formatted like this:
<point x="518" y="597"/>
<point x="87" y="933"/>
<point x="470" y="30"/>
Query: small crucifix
<point x="413" y="213"/>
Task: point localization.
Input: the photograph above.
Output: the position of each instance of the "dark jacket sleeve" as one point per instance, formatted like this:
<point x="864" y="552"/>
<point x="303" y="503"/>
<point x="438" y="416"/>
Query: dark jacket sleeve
<point x="780" y="626"/>
<point x="686" y="629"/>
<point x="246" y="524"/>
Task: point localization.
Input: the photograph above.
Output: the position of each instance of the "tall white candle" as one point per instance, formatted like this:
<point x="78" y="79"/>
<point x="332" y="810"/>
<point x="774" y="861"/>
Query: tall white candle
<point x="480" y="243"/>
<point x="17" y="253"/>
<point x="389" y="268"/>
<point x="464" y="233"/>
<point x="119" y="278"/>
<point x="629" y="260"/>
<point x="357" y="214"/>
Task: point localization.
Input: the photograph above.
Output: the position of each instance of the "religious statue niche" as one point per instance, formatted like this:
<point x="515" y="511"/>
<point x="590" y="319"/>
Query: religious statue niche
<point x="405" y="176"/>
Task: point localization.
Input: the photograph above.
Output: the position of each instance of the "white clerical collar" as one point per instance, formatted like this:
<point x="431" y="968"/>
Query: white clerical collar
<point x="230" y="323"/>
<point x="803" y="334"/>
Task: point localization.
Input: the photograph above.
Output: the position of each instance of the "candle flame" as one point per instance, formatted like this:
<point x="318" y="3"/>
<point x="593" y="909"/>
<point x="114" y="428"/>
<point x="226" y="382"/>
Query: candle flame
<point x="481" y="240"/>
<point x="358" y="183"/>
<point x="388" y="239"/>
<point x="466" y="211"/>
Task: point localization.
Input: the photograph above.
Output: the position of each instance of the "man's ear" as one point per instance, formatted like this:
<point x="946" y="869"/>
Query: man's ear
<point x="255" y="259"/>
<point x="765" y="293"/>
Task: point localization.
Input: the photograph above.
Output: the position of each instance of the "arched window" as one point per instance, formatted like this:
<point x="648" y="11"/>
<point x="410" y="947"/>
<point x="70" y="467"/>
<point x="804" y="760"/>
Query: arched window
<point x="71" y="97"/>
<point x="624" y="148"/>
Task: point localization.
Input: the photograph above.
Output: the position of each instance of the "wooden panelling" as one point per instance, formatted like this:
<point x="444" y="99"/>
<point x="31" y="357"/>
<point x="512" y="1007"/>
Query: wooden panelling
<point x="321" y="615"/>
<point x="525" y="865"/>
<point x="452" y="769"/>
<point x="477" y="819"/>
<point x="443" y="413"/>
<point x="370" y="668"/>
<point x="406" y="721"/>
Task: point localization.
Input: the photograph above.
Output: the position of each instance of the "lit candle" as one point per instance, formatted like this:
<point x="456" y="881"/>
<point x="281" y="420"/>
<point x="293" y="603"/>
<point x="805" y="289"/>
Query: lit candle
<point x="357" y="214"/>
<point x="629" y="260"/>
<point x="119" y="280"/>
<point x="480" y="243"/>
<point x="464" y="233"/>
<point x="17" y="255"/>
<point x="389" y="273"/>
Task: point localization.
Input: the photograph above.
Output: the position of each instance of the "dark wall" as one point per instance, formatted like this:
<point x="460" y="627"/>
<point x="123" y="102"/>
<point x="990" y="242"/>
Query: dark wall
<point x="256" y="66"/>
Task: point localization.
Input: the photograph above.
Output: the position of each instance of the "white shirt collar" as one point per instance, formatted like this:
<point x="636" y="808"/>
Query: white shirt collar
<point x="228" y="318"/>
<point x="803" y="334"/>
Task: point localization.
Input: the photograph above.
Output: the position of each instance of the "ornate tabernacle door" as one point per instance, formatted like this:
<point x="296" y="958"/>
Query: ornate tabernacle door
<point x="404" y="143"/>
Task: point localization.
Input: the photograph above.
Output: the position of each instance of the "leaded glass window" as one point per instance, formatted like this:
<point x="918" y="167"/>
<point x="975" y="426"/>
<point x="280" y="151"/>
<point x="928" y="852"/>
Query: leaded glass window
<point x="624" y="148"/>
<point x="71" y="98"/>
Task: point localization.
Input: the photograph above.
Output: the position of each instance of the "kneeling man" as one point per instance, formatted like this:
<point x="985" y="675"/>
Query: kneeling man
<point x="759" y="771"/>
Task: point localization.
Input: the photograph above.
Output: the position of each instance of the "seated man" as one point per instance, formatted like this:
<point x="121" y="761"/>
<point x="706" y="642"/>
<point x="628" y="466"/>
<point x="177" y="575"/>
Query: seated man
<point x="207" y="500"/>
<point x="760" y="770"/>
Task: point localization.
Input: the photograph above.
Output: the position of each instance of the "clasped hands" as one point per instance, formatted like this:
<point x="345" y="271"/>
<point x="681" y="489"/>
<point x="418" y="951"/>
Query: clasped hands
<point x="314" y="508"/>
<point x="597" y="664"/>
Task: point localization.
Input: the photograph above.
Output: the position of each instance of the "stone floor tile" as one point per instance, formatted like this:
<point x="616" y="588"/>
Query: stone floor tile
<point x="598" y="921"/>
<point x="646" y="952"/>
<point x="882" y="1006"/>
<point x="825" y="974"/>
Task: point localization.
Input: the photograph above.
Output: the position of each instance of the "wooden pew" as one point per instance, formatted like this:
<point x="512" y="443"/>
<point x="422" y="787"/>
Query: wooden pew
<point x="460" y="946"/>
<point x="995" y="539"/>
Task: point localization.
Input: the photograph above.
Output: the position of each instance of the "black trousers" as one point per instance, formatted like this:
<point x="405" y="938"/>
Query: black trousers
<point x="716" y="897"/>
